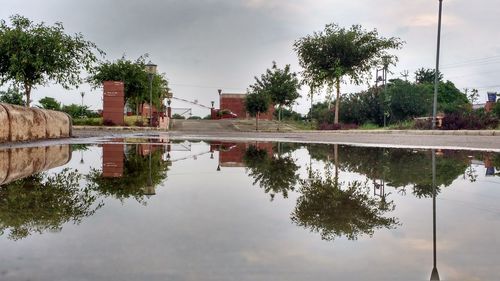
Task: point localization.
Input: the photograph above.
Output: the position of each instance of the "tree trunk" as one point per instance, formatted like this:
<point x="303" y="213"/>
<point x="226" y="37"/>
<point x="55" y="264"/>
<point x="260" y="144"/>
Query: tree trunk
<point x="257" y="122"/>
<point x="27" y="91"/>
<point x="279" y="118"/>
<point x="337" y="101"/>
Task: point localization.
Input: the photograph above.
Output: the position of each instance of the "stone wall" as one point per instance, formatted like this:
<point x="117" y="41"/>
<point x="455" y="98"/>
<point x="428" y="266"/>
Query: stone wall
<point x="27" y="124"/>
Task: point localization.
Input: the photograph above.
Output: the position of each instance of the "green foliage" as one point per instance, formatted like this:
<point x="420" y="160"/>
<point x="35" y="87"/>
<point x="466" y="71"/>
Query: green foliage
<point x="280" y="85"/>
<point x="451" y="99"/>
<point x="424" y="75"/>
<point x="496" y="110"/>
<point x="334" y="53"/>
<point x="11" y="96"/>
<point x="361" y="108"/>
<point x="50" y="103"/>
<point x="139" y="176"/>
<point x="255" y="104"/>
<point x="194" y="118"/>
<point x="287" y="114"/>
<point x="408" y="100"/>
<point x="328" y="208"/>
<point x="87" y="121"/>
<point x="41" y="203"/>
<point x="76" y="111"/>
<point x="33" y="54"/>
<point x="276" y="175"/>
<point x="135" y="78"/>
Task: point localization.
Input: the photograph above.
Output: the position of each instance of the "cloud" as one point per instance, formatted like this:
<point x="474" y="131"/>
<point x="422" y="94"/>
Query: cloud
<point x="427" y="20"/>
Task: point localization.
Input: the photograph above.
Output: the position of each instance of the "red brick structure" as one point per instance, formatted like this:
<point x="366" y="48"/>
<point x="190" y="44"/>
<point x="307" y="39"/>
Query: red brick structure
<point x="236" y="104"/>
<point x="113" y="102"/>
<point x="113" y="160"/>
<point x="232" y="154"/>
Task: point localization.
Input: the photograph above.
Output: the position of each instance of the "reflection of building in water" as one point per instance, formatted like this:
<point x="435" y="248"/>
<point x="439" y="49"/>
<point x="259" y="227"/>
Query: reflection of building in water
<point x="232" y="154"/>
<point x="18" y="163"/>
<point x="112" y="160"/>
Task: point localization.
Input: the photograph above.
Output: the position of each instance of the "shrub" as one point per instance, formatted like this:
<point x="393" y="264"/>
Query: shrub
<point x="87" y="121"/>
<point x="474" y="120"/>
<point x="496" y="110"/>
<point x="194" y="118"/>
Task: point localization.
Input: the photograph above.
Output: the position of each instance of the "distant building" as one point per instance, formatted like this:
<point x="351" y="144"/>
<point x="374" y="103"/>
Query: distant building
<point x="236" y="104"/>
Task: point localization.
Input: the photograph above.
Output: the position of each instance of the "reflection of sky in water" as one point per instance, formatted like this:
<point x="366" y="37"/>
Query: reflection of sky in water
<point x="205" y="224"/>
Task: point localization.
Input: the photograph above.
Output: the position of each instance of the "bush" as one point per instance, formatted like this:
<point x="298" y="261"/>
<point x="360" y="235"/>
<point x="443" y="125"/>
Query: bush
<point x="194" y="118"/>
<point x="87" y="121"/>
<point x="473" y="120"/>
<point x="496" y="110"/>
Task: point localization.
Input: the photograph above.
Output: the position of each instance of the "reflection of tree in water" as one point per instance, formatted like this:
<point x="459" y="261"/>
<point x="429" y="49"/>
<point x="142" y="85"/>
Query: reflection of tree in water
<point x="333" y="211"/>
<point x="135" y="180"/>
<point x="42" y="203"/>
<point x="276" y="175"/>
<point x="399" y="168"/>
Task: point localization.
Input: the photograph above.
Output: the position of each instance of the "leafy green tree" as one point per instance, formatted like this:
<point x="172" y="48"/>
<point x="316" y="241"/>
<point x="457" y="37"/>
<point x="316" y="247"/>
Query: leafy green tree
<point x="50" y="103"/>
<point x="255" y="104"/>
<point x="11" y="96"/>
<point x="496" y="109"/>
<point x="334" y="211"/>
<point x="424" y="75"/>
<point x="274" y="174"/>
<point x="408" y="100"/>
<point x="335" y="53"/>
<point x="33" y="54"/>
<point x="41" y="203"/>
<point x="451" y="99"/>
<point x="281" y="85"/>
<point x="135" y="79"/>
<point x="363" y="107"/>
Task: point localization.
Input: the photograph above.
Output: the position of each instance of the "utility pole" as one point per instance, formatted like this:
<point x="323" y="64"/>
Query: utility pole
<point x="436" y="78"/>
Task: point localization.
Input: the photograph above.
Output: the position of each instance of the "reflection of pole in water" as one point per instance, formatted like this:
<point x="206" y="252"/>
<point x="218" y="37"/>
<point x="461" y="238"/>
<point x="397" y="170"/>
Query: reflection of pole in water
<point x="434" y="273"/>
<point x="150" y="190"/>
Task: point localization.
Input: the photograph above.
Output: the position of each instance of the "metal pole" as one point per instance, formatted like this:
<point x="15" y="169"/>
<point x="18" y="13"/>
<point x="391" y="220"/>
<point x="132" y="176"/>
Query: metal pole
<point x="436" y="77"/>
<point x="151" y="100"/>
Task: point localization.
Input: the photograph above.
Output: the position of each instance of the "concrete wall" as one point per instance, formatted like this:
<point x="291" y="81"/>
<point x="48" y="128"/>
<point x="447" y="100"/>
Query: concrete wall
<point x="18" y="163"/>
<point x="26" y="124"/>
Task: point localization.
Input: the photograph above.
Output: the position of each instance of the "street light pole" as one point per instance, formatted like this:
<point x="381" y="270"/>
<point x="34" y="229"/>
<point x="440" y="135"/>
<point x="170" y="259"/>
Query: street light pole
<point x="436" y="74"/>
<point x="151" y="70"/>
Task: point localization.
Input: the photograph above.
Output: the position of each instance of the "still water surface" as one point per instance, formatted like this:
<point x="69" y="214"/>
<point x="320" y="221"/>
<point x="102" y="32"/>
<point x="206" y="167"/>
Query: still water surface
<point x="153" y="209"/>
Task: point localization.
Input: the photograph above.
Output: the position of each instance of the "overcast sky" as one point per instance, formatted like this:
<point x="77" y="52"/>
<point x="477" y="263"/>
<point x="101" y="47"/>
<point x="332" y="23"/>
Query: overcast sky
<point x="211" y="44"/>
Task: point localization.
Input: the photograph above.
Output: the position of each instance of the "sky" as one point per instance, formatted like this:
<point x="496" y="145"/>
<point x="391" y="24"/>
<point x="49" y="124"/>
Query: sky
<point x="206" y="45"/>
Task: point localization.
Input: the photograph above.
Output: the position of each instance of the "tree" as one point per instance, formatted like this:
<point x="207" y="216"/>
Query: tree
<point x="255" y="104"/>
<point x="332" y="211"/>
<point x="11" y="96"/>
<point x="50" y="103"/>
<point x="280" y="85"/>
<point x="408" y="100"/>
<point x="423" y="75"/>
<point x="33" y="54"/>
<point x="334" y="53"/>
<point x="41" y="203"/>
<point x="135" y="79"/>
<point x="273" y="174"/>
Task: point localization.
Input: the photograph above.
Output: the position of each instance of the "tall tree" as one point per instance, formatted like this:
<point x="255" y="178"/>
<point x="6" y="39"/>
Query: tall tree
<point x="135" y="78"/>
<point x="281" y="85"/>
<point x="335" y="53"/>
<point x="255" y="104"/>
<point x="33" y="54"/>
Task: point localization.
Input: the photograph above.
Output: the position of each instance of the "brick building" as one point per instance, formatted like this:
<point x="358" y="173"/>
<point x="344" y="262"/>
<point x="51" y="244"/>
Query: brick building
<point x="236" y="104"/>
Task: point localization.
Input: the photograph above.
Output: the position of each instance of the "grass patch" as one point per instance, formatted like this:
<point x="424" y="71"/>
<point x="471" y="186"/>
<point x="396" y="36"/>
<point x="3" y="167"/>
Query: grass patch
<point x="87" y="121"/>
<point x="131" y="121"/>
<point x="369" y="126"/>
